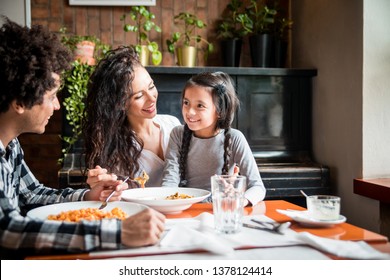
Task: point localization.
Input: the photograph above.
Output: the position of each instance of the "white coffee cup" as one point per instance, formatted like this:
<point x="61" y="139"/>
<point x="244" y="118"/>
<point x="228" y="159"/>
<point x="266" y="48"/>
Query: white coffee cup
<point x="323" y="207"/>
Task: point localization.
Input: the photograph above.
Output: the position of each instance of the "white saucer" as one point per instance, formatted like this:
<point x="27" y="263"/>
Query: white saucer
<point x="303" y="218"/>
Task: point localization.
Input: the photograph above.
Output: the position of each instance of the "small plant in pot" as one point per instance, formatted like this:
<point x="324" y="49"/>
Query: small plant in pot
<point x="186" y="43"/>
<point x="231" y="32"/>
<point x="86" y="48"/>
<point x="258" y="21"/>
<point x="142" y="23"/>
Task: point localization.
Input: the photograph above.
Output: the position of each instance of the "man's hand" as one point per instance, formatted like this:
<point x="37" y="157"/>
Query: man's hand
<point x="142" y="229"/>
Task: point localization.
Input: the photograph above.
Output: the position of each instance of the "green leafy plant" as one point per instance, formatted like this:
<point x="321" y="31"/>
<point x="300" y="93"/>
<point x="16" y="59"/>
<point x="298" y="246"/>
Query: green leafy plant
<point x="75" y="82"/>
<point x="257" y="19"/>
<point x="229" y="27"/>
<point x="143" y="23"/>
<point x="187" y="37"/>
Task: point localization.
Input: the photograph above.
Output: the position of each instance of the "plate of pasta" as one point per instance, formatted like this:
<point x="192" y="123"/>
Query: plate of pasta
<point x="85" y="210"/>
<point x="166" y="200"/>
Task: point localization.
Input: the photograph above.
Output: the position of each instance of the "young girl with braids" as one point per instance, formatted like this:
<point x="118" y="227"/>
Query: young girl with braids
<point x="206" y="144"/>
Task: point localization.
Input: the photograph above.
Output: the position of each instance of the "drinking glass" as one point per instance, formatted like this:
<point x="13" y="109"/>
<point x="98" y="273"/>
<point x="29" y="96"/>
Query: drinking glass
<point x="228" y="202"/>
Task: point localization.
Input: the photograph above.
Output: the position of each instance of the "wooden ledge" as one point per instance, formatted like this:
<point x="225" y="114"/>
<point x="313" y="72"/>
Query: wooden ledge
<point x="378" y="189"/>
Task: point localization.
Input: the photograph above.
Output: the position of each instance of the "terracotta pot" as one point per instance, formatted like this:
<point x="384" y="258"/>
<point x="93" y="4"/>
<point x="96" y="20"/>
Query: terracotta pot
<point x="84" y="52"/>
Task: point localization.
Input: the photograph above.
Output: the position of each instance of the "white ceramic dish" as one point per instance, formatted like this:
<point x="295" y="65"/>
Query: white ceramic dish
<point x="43" y="212"/>
<point x="304" y="219"/>
<point x="156" y="198"/>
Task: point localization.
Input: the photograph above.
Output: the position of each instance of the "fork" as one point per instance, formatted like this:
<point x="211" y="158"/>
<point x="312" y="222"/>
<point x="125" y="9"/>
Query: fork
<point x="104" y="204"/>
<point x="132" y="182"/>
<point x="271" y="226"/>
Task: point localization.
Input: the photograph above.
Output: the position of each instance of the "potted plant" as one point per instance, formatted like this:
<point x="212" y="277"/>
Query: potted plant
<point x="231" y="32"/>
<point x="86" y="48"/>
<point x="185" y="43"/>
<point x="75" y="88"/>
<point x="143" y="23"/>
<point x="258" y="21"/>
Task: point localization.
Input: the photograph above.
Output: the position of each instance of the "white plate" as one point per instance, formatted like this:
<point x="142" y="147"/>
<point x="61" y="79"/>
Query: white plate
<point x="155" y="198"/>
<point x="303" y="218"/>
<point x="43" y="212"/>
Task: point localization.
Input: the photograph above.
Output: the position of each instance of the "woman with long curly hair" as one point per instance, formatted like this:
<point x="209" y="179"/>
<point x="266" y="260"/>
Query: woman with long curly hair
<point x="123" y="133"/>
<point x="207" y="144"/>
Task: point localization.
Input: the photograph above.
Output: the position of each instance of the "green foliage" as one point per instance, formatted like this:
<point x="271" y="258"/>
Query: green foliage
<point x="75" y="85"/>
<point x="75" y="82"/>
<point x="229" y="27"/>
<point x="260" y="18"/>
<point x="187" y="37"/>
<point x="142" y="23"/>
<point x="257" y="19"/>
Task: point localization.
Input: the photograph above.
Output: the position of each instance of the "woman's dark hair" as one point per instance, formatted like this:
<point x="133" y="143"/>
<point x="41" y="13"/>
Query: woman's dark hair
<point x="28" y="57"/>
<point x="109" y="141"/>
<point x="226" y="102"/>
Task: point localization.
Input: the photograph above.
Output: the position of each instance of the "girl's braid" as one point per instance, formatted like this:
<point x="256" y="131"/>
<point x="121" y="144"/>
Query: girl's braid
<point x="187" y="134"/>
<point x="227" y="152"/>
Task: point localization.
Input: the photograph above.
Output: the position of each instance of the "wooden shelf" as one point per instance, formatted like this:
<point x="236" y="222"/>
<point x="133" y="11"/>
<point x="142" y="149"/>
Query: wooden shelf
<point x="378" y="188"/>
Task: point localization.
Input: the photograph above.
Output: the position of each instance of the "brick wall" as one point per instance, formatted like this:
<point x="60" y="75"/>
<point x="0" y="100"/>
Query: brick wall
<point x="105" y="23"/>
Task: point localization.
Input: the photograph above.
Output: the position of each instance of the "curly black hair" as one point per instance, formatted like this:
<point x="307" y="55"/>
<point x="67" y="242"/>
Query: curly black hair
<point x="28" y="57"/>
<point x="108" y="139"/>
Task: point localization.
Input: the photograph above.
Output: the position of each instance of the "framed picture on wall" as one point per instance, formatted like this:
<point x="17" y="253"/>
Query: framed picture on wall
<point x="112" y="2"/>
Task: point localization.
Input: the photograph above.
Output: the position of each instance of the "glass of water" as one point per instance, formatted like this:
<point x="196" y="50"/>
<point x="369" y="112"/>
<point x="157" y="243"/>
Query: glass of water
<point x="228" y="202"/>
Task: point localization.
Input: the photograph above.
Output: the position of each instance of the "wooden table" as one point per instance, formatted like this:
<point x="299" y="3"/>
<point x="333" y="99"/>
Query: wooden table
<point x="342" y="231"/>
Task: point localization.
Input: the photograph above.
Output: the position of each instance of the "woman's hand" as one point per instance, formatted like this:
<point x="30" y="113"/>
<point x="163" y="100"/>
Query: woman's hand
<point x="142" y="229"/>
<point x="102" y="183"/>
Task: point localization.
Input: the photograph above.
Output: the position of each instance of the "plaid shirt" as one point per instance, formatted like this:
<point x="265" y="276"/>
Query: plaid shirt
<point x="21" y="191"/>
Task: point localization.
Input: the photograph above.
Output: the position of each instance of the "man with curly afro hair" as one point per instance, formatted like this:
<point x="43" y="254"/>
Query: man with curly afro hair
<point x="31" y="63"/>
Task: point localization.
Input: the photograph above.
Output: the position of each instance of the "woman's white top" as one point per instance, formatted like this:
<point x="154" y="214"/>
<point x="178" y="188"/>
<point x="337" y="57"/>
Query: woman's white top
<point x="150" y="162"/>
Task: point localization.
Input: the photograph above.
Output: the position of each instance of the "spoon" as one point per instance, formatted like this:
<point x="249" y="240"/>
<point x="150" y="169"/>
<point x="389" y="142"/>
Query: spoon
<point x="302" y="192"/>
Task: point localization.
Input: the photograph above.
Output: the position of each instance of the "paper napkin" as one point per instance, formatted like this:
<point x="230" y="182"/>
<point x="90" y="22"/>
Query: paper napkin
<point x="191" y="239"/>
<point x="342" y="248"/>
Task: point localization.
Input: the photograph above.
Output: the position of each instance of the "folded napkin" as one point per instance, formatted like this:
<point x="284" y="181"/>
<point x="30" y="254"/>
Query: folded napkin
<point x="342" y="248"/>
<point x="193" y="234"/>
<point x="187" y="238"/>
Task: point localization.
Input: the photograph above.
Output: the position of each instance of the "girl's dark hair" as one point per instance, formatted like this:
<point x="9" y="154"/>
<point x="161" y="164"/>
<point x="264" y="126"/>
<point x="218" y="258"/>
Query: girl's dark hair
<point x="226" y="102"/>
<point x="109" y="141"/>
<point x="28" y="57"/>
